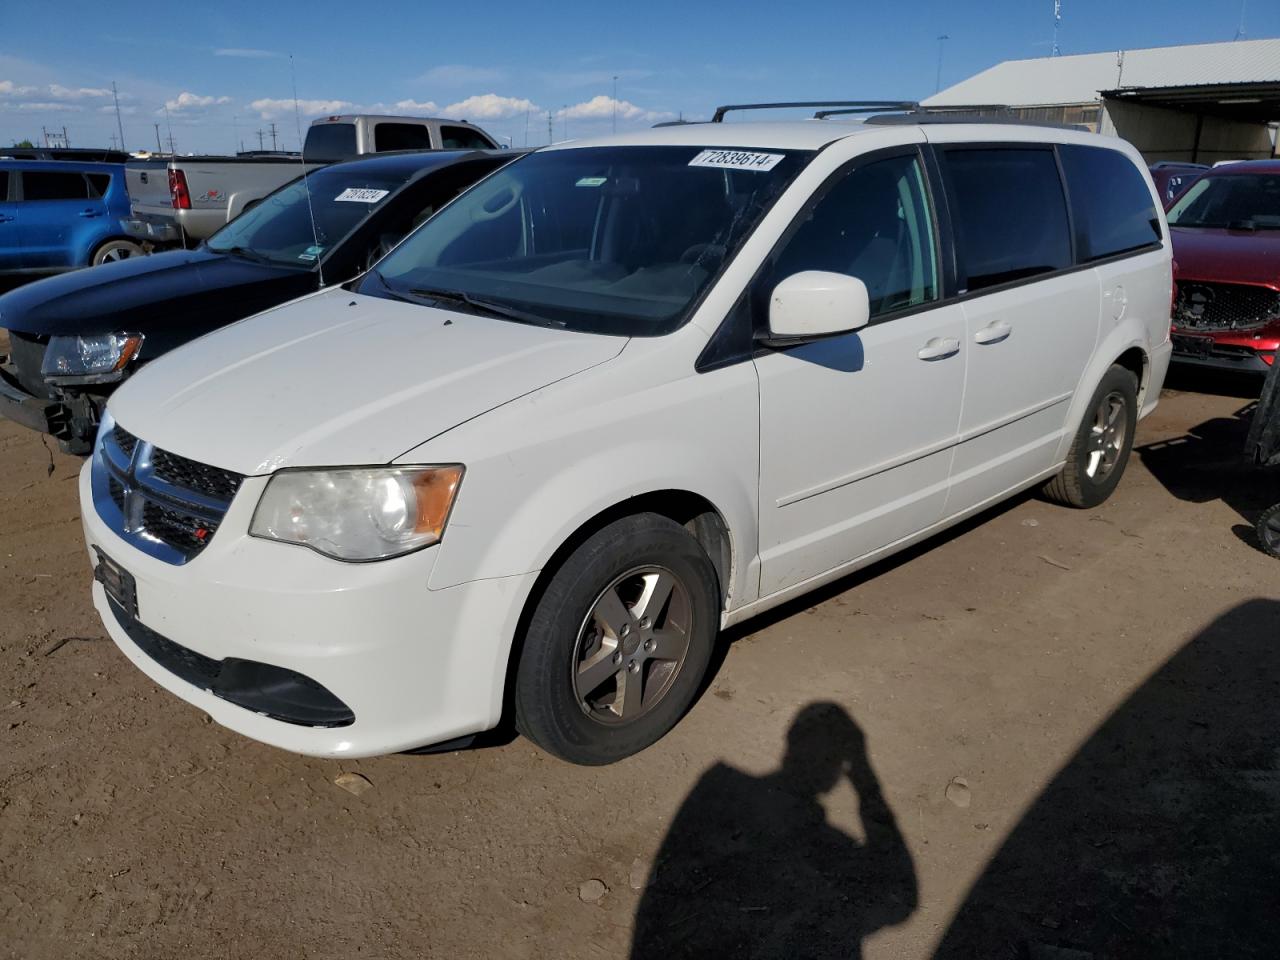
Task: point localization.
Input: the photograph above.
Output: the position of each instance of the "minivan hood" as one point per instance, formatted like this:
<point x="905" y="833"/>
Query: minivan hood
<point x="1227" y="256"/>
<point x="337" y="378"/>
<point x="134" y="293"/>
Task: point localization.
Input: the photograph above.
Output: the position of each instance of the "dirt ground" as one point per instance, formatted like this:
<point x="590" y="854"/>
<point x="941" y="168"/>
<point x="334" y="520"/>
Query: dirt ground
<point x="1051" y="734"/>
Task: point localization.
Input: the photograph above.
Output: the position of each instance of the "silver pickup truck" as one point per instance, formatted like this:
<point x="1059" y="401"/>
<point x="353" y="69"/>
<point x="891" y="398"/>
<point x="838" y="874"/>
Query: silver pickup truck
<point x="188" y="198"/>
<point x="183" y="200"/>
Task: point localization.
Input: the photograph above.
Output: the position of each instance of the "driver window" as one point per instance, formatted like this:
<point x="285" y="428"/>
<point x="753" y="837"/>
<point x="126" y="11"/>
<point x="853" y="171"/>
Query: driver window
<point x="874" y="224"/>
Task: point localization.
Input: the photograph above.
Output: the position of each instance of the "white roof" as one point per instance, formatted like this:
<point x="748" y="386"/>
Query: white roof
<point x="780" y="135"/>
<point x="1081" y="78"/>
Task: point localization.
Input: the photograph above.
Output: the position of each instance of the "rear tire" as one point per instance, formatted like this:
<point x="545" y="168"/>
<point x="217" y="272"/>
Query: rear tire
<point x="1100" y="451"/>
<point x="114" y="250"/>
<point x="1269" y="531"/>
<point x="618" y="643"/>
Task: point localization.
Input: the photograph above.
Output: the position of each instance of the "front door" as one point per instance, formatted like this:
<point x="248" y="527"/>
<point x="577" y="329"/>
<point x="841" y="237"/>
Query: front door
<point x="857" y="431"/>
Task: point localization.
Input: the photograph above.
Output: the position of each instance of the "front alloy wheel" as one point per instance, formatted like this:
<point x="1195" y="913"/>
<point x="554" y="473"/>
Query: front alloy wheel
<point x="618" y="641"/>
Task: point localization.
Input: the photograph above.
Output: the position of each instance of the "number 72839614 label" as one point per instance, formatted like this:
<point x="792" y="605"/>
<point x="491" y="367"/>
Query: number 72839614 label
<point x="736" y="160"/>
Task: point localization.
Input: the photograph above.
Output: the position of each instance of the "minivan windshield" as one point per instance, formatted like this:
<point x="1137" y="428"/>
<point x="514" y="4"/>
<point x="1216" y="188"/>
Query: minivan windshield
<point x="617" y="240"/>
<point x="1249" y="201"/>
<point x="279" y="229"/>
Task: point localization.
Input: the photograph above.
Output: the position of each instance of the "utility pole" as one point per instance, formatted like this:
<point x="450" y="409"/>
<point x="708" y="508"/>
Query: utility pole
<point x="113" y="141"/>
<point x="172" y="149"/>
<point x="1240" y="29"/>
<point x="942" y="39"/>
<point x="550" y="136"/>
<point x="260" y="136"/>
<point x="1057" y="22"/>
<point x="159" y="149"/>
<point x="615" y="104"/>
<point x="66" y="141"/>
<point x="45" y="134"/>
<point x="119" y="126"/>
<point x="273" y="137"/>
<point x="564" y="121"/>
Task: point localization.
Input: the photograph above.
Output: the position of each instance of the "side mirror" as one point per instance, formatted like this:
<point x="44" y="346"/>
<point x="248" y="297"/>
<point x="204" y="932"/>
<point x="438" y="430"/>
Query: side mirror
<point x="815" y="304"/>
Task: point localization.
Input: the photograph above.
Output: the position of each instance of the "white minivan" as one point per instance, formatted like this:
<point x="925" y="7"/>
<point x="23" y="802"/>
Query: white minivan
<point x="619" y="395"/>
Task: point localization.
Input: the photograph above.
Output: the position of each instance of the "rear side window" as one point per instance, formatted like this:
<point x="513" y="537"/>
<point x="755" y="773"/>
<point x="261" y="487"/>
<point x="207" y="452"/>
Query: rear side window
<point x="327" y="142"/>
<point x="99" y="183"/>
<point x="401" y="136"/>
<point x="1112" y="207"/>
<point x="1009" y="212"/>
<point x="463" y="138"/>
<point x="40" y="185"/>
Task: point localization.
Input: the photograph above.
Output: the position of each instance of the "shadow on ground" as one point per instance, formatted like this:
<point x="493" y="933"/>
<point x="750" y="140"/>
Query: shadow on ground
<point x="1161" y="837"/>
<point x="752" y="868"/>
<point x="1208" y="463"/>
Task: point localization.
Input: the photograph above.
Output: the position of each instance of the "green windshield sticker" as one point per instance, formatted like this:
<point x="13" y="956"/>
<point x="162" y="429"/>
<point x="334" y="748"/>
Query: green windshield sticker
<point x="593" y="181"/>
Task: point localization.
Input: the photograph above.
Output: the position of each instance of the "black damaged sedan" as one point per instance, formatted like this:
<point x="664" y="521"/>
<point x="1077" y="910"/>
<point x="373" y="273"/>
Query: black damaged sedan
<point x="73" y="338"/>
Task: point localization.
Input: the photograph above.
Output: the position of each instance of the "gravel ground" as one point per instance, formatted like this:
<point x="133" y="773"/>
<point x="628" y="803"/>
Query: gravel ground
<point x="1049" y="734"/>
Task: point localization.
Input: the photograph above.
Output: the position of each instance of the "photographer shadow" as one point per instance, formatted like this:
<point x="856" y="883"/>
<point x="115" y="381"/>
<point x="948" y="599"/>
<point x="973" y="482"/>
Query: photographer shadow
<point x="751" y="867"/>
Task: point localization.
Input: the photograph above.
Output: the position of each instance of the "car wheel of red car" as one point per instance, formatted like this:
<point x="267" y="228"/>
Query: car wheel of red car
<point x="1101" y="447"/>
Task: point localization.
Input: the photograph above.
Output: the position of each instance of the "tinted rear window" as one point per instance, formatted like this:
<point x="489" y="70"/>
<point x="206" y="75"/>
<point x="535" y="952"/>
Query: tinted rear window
<point x="401" y="136"/>
<point x="330" y="141"/>
<point x="1009" y="212"/>
<point x="39" y="185"/>
<point x="462" y="138"/>
<point x="1112" y="207"/>
<point x="4" y="185"/>
<point x="99" y="182"/>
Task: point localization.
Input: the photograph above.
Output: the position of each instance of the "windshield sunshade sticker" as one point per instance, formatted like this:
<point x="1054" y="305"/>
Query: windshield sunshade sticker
<point x="736" y="160"/>
<point x="361" y="195"/>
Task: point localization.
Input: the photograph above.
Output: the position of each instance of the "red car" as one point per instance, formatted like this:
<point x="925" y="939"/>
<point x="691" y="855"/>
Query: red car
<point x="1226" y="252"/>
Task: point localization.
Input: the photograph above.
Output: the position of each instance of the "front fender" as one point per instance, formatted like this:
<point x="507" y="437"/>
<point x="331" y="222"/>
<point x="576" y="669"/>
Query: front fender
<point x="541" y="467"/>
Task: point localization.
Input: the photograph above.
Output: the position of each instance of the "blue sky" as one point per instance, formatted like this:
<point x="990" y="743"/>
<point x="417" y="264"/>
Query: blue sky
<point x="224" y="69"/>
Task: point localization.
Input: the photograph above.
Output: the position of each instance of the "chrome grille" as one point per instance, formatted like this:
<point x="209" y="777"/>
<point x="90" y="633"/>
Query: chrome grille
<point x="166" y="505"/>
<point x="1224" y="306"/>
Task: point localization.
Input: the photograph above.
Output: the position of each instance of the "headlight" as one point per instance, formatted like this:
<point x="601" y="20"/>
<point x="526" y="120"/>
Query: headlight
<point x="358" y="514"/>
<point x="100" y="358"/>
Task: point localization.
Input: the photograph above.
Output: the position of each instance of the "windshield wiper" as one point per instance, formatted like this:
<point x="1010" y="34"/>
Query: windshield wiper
<point x="481" y="306"/>
<point x="244" y="253"/>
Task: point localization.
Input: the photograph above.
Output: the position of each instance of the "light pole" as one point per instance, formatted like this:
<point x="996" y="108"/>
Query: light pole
<point x="942" y="39"/>
<point x="615" y="104"/>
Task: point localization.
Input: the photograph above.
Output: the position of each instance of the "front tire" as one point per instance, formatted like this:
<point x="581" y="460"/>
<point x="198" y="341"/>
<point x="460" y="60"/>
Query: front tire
<point x="619" y="642"/>
<point x="114" y="250"/>
<point x="1269" y="531"/>
<point x="1100" y="451"/>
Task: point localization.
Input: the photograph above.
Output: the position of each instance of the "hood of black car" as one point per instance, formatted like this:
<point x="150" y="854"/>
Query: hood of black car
<point x="140" y="292"/>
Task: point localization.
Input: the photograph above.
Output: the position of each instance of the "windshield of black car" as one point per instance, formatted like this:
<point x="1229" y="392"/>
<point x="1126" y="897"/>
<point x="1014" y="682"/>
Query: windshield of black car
<point x="279" y="229"/>
<point x="618" y="240"/>
<point x="1230" y="199"/>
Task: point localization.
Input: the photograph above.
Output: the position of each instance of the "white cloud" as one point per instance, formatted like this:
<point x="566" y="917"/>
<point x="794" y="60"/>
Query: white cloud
<point x="602" y="108"/>
<point x="248" y="53"/>
<point x="460" y="74"/>
<point x="489" y="106"/>
<point x="47" y="105"/>
<point x="59" y="92"/>
<point x="127" y="111"/>
<point x="417" y="106"/>
<point x="53" y="91"/>
<point x="10" y="89"/>
<point x="271" y="109"/>
<point x="186" y="101"/>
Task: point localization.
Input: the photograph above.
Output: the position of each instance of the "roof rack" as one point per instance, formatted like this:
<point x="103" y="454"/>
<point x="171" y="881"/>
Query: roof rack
<point x="844" y="106"/>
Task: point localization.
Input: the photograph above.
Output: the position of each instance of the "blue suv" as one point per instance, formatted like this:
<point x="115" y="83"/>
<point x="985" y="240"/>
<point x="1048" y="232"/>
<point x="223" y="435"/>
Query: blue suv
<point x="59" y="215"/>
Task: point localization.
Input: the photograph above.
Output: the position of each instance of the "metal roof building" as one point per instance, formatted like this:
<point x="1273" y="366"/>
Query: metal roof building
<point x="1205" y="102"/>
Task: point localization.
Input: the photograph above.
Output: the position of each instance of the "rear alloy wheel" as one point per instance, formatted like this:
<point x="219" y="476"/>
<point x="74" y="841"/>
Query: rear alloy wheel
<point x="115" y="250"/>
<point x="1100" y="450"/>
<point x="1269" y="530"/>
<point x="619" y="642"/>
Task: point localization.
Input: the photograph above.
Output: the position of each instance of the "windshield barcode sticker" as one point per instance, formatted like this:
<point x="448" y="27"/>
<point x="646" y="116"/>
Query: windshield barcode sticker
<point x="736" y="160"/>
<point x="361" y="195"/>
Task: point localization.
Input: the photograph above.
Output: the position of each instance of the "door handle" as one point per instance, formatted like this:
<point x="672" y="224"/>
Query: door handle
<point x="993" y="333"/>
<point x="939" y="348"/>
<point x="89" y="213"/>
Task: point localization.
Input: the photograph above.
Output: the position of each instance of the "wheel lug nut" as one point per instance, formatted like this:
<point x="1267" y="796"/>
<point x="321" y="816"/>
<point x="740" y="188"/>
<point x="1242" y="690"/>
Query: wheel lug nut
<point x="626" y="628"/>
<point x="648" y="646"/>
<point x="617" y="658"/>
<point x="633" y="666"/>
<point x="644" y="623"/>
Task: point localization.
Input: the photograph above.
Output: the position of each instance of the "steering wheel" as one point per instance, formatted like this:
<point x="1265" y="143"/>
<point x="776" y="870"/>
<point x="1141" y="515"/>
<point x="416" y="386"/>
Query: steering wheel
<point x="498" y="203"/>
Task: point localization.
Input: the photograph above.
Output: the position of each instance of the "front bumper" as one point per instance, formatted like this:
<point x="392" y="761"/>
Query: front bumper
<point x="1236" y="352"/>
<point x="34" y="412"/>
<point x="415" y="666"/>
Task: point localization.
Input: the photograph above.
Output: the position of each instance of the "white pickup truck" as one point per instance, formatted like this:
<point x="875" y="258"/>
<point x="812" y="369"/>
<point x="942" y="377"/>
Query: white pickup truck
<point x="182" y="200"/>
